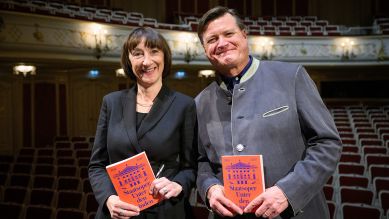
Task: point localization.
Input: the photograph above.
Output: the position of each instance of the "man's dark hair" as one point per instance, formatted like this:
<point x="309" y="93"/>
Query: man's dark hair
<point x="215" y="13"/>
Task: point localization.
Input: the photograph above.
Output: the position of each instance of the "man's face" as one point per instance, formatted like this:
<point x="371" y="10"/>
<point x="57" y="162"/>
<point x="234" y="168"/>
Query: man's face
<point x="225" y="44"/>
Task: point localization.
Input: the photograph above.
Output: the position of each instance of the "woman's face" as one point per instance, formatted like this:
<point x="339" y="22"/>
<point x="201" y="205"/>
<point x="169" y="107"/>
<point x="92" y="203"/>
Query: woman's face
<point x="147" y="64"/>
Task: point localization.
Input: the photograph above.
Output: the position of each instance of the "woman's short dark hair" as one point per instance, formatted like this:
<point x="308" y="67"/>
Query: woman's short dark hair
<point x="215" y="13"/>
<point x="153" y="39"/>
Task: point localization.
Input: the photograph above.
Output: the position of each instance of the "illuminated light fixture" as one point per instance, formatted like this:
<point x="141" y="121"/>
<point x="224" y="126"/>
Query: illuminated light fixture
<point x="265" y="48"/>
<point x="120" y="73"/>
<point x="206" y="73"/>
<point x="101" y="40"/>
<point x="189" y="50"/>
<point x="24" y="70"/>
<point x="97" y="39"/>
<point x="347" y="49"/>
<point x="180" y="75"/>
<point x="94" y="73"/>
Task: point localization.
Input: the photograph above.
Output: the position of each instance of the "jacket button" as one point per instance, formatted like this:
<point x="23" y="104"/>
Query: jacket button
<point x="239" y="147"/>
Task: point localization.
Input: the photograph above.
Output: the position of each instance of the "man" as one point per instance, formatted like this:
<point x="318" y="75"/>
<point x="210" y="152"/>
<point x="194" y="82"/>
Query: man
<point x="268" y="108"/>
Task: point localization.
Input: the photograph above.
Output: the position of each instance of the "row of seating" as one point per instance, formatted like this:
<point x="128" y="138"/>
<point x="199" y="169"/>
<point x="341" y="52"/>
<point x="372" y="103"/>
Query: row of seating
<point x="380" y="184"/>
<point x="357" y="210"/>
<point x="362" y="175"/>
<point x="21" y="161"/>
<point x="357" y="170"/>
<point x="19" y="211"/>
<point x="282" y="25"/>
<point x="269" y="30"/>
<point x="252" y="20"/>
<point x="294" y="30"/>
<point x="361" y="124"/>
<point x="370" y="174"/>
<point x="50" y="182"/>
<point x="81" y="139"/>
<point x="61" y="151"/>
<point x="87" y="13"/>
<point x="353" y="190"/>
<point x="42" y="181"/>
<point x="368" y="194"/>
<point x="46" y="169"/>
<point x="381" y="25"/>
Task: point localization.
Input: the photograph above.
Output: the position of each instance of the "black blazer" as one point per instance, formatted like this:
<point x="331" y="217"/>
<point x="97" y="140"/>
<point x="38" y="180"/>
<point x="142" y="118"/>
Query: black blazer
<point x="167" y="135"/>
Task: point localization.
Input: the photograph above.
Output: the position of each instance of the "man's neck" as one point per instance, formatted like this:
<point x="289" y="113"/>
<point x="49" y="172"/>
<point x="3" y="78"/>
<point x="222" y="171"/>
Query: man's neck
<point x="232" y="71"/>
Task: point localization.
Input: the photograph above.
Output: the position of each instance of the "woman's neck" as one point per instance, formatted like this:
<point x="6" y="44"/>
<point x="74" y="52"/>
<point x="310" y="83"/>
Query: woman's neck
<point x="148" y="94"/>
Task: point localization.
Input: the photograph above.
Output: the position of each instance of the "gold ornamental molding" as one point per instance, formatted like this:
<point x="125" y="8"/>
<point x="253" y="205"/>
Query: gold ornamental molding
<point x="25" y="35"/>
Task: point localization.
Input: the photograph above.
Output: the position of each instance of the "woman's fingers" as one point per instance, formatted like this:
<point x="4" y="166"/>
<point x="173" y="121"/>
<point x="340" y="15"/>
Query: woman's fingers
<point x="165" y="188"/>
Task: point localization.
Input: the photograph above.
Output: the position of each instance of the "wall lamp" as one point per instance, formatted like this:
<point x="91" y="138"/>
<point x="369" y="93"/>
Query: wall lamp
<point x="206" y="73"/>
<point x="101" y="40"/>
<point x="264" y="48"/>
<point x="190" y="47"/>
<point x="97" y="40"/>
<point x="347" y="49"/>
<point x="120" y="73"/>
<point x="24" y="70"/>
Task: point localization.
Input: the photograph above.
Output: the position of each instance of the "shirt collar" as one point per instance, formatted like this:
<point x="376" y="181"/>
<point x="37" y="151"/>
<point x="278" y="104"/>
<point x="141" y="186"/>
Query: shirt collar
<point x="232" y="81"/>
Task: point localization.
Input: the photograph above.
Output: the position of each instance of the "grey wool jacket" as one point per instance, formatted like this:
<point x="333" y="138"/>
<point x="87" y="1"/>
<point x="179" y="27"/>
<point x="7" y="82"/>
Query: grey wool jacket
<point x="275" y="111"/>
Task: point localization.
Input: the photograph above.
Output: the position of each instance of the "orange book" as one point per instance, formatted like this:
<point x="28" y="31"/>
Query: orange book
<point x="132" y="178"/>
<point x="243" y="178"/>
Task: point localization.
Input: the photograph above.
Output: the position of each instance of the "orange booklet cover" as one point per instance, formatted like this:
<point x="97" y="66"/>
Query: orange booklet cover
<point x="243" y="178"/>
<point x="132" y="178"/>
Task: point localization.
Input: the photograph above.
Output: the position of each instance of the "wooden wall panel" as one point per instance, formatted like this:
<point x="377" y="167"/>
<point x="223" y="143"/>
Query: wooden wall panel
<point x="284" y="8"/>
<point x="267" y="7"/>
<point x="27" y="126"/>
<point x="237" y="5"/>
<point x="171" y="11"/>
<point x="188" y="7"/>
<point x="45" y="114"/>
<point x="202" y="6"/>
<point x="382" y="8"/>
<point x="301" y="7"/>
<point x="63" y="130"/>
<point x="86" y="98"/>
<point x="6" y="124"/>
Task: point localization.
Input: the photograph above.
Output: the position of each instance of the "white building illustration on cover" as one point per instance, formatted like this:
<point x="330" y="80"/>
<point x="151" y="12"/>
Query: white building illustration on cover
<point x="131" y="175"/>
<point x="241" y="173"/>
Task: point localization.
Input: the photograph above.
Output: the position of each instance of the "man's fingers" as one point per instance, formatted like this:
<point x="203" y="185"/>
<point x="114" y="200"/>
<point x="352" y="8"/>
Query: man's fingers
<point x="261" y="210"/>
<point x="227" y="207"/>
<point x="273" y="215"/>
<point x="254" y="204"/>
<point x="222" y="210"/>
<point x="268" y="213"/>
<point x="233" y="207"/>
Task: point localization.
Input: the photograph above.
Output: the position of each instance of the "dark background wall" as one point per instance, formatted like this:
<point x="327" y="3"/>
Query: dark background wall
<point x="345" y="12"/>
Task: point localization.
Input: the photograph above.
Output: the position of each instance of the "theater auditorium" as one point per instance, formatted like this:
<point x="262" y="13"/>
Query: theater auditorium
<point x="59" y="58"/>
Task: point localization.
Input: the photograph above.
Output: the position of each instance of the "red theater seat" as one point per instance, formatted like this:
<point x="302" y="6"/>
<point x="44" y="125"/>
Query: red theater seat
<point x="356" y="195"/>
<point x="355" y="181"/>
<point x="353" y="211"/>
<point x="350" y="158"/>
<point x="346" y="168"/>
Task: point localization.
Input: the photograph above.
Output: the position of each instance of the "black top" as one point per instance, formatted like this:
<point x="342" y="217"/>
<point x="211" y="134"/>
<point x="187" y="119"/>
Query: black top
<point x="139" y="119"/>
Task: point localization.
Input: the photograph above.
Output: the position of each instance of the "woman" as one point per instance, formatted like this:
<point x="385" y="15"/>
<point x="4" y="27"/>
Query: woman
<point x="148" y="117"/>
